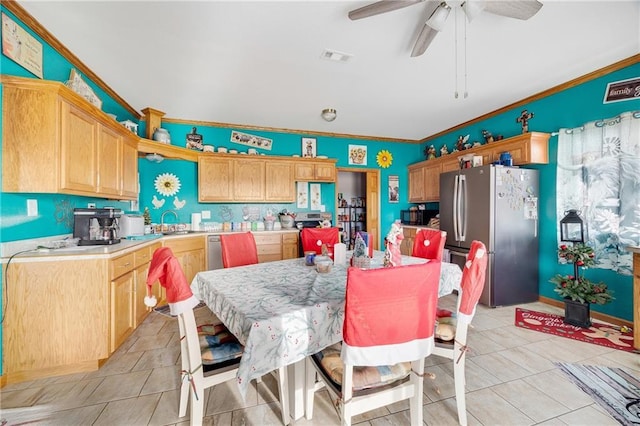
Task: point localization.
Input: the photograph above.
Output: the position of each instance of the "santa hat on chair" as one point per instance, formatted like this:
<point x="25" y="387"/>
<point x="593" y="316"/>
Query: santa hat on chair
<point x="166" y="268"/>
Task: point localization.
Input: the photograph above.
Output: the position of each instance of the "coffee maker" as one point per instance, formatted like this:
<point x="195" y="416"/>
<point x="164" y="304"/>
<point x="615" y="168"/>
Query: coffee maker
<point x="96" y="226"/>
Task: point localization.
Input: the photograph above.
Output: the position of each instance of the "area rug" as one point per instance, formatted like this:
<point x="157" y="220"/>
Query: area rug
<point x="598" y="334"/>
<point x="614" y="389"/>
<point x="166" y="310"/>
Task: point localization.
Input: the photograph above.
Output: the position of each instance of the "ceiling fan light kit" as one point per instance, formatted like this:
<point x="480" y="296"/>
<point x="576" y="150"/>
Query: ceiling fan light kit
<point x="439" y="17"/>
<point x="329" y="114"/>
<point x="155" y="158"/>
<point x="518" y="9"/>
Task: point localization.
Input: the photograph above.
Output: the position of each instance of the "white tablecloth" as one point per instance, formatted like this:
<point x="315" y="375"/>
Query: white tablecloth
<point x="283" y="311"/>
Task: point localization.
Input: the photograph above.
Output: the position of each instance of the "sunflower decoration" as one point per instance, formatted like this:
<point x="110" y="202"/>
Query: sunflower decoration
<point x="167" y="184"/>
<point x="384" y="158"/>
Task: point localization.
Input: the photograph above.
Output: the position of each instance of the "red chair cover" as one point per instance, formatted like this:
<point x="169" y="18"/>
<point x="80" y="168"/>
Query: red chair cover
<point x="313" y="238"/>
<point x="473" y="276"/>
<point x="390" y="314"/>
<point x="238" y="249"/>
<point x="429" y="244"/>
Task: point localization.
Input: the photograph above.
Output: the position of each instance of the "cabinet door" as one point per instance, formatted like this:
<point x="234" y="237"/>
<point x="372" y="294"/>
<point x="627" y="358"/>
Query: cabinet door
<point x="192" y="263"/>
<point x="519" y="152"/>
<point x="304" y="171"/>
<point x="290" y="246"/>
<point x="141" y="309"/>
<point x="79" y="167"/>
<point x="432" y="182"/>
<point x="109" y="148"/>
<point x="215" y="177"/>
<point x="325" y="172"/>
<point x="249" y="180"/>
<point x="129" y="169"/>
<point x="279" y="183"/>
<point x="416" y="184"/>
<point x="122" y="322"/>
<point x="450" y="165"/>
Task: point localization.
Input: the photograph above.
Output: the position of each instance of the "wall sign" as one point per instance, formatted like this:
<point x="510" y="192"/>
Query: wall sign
<point x="622" y="90"/>
<point x="19" y="46"/>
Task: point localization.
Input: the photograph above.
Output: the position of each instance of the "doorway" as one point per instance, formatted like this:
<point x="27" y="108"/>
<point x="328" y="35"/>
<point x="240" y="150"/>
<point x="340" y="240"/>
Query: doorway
<point x="358" y="204"/>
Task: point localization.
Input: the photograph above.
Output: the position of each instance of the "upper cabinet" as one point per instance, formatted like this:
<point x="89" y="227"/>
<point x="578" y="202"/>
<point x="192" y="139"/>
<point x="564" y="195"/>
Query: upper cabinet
<point x="314" y="170"/>
<point x="424" y="177"/>
<point x="54" y="141"/>
<point x="250" y="178"/>
<point x="230" y="178"/>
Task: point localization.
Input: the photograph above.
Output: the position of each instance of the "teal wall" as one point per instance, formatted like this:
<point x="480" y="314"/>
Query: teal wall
<point x="567" y="109"/>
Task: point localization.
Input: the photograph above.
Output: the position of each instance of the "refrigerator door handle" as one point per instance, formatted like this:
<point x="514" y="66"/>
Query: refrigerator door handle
<point x="454" y="207"/>
<point x="462" y="216"/>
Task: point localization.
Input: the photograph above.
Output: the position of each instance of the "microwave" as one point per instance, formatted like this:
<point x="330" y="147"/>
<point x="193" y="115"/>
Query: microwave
<point x="417" y="217"/>
<point x="131" y="225"/>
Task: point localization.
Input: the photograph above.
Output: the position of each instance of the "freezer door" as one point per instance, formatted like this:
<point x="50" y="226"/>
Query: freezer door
<point x="516" y="239"/>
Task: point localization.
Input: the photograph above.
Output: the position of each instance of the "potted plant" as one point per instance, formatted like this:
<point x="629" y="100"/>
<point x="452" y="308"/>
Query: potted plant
<point x="579" y="292"/>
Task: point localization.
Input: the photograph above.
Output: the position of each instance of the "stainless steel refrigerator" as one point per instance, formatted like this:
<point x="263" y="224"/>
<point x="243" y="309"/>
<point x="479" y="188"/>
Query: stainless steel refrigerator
<point x="499" y="206"/>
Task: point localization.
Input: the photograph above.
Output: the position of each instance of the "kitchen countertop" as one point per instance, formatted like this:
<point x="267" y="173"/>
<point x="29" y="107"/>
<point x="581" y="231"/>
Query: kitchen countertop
<point x="633" y="249"/>
<point x="108" y="251"/>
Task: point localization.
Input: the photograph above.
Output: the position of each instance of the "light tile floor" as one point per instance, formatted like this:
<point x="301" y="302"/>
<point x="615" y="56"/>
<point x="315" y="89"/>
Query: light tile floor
<point x="511" y="380"/>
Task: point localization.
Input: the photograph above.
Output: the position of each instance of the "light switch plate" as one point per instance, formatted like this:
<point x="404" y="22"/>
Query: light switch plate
<point x="32" y="207"/>
<point x="206" y="214"/>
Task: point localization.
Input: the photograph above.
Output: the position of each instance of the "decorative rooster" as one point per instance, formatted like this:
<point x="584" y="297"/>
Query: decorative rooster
<point x="157" y="204"/>
<point x="178" y="204"/>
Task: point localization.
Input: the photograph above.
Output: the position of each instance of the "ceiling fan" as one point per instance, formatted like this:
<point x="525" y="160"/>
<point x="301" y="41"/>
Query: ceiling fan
<point x="519" y="9"/>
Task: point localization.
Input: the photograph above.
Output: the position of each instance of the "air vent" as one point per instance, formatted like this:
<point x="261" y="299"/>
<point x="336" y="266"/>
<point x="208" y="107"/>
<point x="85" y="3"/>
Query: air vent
<point x="334" y="55"/>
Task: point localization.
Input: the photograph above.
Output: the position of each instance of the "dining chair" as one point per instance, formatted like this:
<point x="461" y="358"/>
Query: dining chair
<point x="471" y="285"/>
<point x="238" y="249"/>
<point x="429" y="244"/>
<point x="313" y="238"/>
<point x="210" y="354"/>
<point x="388" y="331"/>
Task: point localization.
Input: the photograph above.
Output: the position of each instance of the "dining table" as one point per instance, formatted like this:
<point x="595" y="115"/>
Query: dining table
<point x="283" y="311"/>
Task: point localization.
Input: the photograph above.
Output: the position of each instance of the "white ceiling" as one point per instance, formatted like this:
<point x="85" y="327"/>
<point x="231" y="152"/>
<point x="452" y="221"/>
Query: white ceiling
<point x="258" y="63"/>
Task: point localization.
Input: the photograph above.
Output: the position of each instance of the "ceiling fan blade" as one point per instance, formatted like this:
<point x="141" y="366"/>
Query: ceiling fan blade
<point x="426" y="36"/>
<point x="520" y="9"/>
<point x="380" y="7"/>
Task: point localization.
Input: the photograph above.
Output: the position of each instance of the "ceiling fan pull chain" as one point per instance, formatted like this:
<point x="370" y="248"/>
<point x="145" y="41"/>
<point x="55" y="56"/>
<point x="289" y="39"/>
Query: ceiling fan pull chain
<point x="466" y="93"/>
<point x="455" y="50"/>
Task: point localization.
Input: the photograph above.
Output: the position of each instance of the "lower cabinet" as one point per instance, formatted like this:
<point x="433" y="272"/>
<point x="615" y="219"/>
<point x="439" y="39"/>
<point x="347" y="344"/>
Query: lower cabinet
<point x="190" y="252"/>
<point x="276" y="246"/>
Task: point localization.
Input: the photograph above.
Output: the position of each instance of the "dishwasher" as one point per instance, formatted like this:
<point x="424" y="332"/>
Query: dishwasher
<point x="214" y="252"/>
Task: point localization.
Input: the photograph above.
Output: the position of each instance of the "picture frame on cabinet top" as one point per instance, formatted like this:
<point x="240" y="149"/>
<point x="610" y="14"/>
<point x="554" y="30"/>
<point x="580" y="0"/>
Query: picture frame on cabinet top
<point x="309" y="147"/>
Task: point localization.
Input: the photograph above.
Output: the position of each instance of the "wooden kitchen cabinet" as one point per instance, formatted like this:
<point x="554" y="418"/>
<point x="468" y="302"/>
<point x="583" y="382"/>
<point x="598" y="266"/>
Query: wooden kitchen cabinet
<point x="122" y="290"/>
<point x="248" y="180"/>
<point x="279" y="185"/>
<point x="424" y="177"/>
<point x="225" y="178"/>
<point x="57" y="318"/>
<point x="190" y="252"/>
<point x="409" y="235"/>
<point x="276" y="245"/>
<point x="54" y="141"/>
<point x="141" y="261"/>
<point x="315" y="170"/>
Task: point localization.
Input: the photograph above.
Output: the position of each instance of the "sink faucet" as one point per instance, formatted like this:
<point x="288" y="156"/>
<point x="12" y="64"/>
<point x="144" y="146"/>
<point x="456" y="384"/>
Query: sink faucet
<point x="162" y="218"/>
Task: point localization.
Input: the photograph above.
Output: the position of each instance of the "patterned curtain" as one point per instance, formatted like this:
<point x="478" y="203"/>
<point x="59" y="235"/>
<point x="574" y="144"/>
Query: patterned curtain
<point x="599" y="175"/>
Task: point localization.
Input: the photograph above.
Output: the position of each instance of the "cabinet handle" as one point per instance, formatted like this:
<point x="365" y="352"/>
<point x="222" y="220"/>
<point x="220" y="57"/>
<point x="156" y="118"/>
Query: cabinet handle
<point x="125" y="265"/>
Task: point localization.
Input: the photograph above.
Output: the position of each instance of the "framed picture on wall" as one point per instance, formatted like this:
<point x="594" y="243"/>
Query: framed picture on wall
<point x="394" y="189"/>
<point x="309" y="147"/>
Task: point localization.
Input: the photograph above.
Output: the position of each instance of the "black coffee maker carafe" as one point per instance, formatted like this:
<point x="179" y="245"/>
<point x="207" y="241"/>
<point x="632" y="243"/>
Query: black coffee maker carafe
<point x="96" y="226"/>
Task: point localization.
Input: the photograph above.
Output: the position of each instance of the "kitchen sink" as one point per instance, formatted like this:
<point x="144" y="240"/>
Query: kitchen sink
<point x="182" y="232"/>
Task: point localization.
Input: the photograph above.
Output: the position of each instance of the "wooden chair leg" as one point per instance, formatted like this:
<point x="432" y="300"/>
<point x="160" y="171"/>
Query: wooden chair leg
<point x="309" y="388"/>
<point x="184" y="397"/>
<point x="415" y="404"/>
<point x="197" y="407"/>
